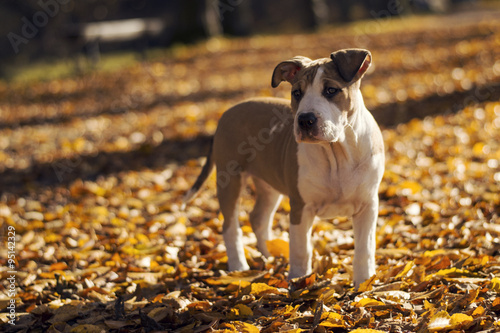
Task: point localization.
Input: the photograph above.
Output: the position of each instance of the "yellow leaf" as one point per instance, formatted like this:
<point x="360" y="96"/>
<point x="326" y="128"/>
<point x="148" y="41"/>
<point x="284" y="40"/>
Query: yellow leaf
<point x="240" y="310"/>
<point x="496" y="303"/>
<point x="478" y="149"/>
<point x="479" y="311"/>
<point x="285" y="205"/>
<point x="288" y="310"/>
<point x="244" y="310"/>
<point x="439" y="321"/>
<point x="52" y="237"/>
<point x="237" y="285"/>
<point x="391" y="191"/>
<point x="368" y="284"/>
<point x="98" y="191"/>
<point x="260" y="289"/>
<point x="449" y="272"/>
<point x="332" y="319"/>
<point x="428" y="306"/>
<point x="99" y="211"/>
<point x="367" y="302"/>
<point x="413" y="186"/>
<point x="248" y="276"/>
<point x="47" y="275"/>
<point x="142" y="238"/>
<point x="116" y="258"/>
<point x="78" y="144"/>
<point x="278" y="248"/>
<point x="366" y="330"/>
<point x="3" y="156"/>
<point x="227" y="327"/>
<point x="58" y="266"/>
<point x="460" y="320"/>
<point x="495" y="284"/>
<point x="211" y="125"/>
<point x="433" y="253"/>
<point x="246" y="229"/>
<point x="409" y="265"/>
<point x="190" y="231"/>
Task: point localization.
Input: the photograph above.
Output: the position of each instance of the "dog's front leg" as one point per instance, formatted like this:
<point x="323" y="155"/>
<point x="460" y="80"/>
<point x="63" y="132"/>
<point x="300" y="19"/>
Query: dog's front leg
<point x="300" y="243"/>
<point x="365" y="225"/>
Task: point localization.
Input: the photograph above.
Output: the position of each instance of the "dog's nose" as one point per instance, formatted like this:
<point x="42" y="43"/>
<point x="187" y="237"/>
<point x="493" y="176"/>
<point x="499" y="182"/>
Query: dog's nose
<point x="307" y="120"/>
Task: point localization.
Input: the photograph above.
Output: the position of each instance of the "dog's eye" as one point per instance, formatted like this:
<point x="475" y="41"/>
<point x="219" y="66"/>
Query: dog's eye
<point x="297" y="94"/>
<point x="329" y="92"/>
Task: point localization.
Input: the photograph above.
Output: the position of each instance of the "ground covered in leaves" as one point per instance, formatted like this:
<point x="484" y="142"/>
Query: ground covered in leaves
<point x="93" y="168"/>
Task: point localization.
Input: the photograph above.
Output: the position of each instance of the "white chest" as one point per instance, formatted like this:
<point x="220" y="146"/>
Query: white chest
<point x="331" y="182"/>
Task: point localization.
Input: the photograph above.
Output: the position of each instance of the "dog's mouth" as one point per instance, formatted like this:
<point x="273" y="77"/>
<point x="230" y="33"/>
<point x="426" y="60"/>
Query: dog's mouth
<point x="305" y="137"/>
<point x="318" y="134"/>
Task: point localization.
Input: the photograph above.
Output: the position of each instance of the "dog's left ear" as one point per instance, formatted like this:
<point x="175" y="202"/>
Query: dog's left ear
<point x="352" y="64"/>
<point x="286" y="70"/>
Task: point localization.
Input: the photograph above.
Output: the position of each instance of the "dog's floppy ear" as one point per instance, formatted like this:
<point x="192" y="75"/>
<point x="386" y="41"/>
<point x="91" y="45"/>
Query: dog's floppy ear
<point x="286" y="70"/>
<point x="352" y="63"/>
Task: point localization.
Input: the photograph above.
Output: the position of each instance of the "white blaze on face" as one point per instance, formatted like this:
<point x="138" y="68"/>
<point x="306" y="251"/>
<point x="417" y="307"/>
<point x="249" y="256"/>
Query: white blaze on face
<point x="331" y="120"/>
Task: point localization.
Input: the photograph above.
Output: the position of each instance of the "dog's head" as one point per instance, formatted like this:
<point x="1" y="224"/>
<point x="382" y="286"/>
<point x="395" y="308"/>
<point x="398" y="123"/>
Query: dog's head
<point x="325" y="92"/>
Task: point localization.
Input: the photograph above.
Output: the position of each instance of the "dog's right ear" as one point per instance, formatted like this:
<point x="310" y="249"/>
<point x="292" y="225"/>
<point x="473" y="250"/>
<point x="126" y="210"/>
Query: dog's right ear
<point x="286" y="70"/>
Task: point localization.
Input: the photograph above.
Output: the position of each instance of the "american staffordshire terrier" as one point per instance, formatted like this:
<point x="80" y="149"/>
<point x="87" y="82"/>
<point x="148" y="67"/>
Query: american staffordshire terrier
<point x="325" y="151"/>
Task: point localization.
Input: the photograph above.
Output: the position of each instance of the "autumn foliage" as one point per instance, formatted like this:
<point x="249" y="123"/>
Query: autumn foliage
<point x="93" y="169"/>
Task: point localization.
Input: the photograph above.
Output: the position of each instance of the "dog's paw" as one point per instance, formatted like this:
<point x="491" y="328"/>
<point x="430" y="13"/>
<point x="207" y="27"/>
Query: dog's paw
<point x="296" y="272"/>
<point x="238" y="266"/>
<point x="360" y="279"/>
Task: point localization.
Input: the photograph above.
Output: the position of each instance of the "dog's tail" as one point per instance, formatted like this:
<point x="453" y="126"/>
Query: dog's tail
<point x="205" y="172"/>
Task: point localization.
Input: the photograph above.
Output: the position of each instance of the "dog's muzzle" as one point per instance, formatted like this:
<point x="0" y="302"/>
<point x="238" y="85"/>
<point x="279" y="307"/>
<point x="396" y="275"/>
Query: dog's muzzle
<point x="307" y="126"/>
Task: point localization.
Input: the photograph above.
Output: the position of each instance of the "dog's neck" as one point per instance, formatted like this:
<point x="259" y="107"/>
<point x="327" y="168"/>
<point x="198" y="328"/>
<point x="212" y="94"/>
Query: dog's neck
<point x="354" y="148"/>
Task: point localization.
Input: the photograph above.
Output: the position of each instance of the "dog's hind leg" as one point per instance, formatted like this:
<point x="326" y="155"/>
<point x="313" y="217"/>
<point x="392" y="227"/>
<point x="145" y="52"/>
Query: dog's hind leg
<point x="261" y="217"/>
<point x="228" y="193"/>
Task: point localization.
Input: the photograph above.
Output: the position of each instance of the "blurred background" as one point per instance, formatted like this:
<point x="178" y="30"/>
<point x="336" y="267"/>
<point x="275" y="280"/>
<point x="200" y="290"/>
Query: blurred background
<point x="91" y="87"/>
<point x="49" y="29"/>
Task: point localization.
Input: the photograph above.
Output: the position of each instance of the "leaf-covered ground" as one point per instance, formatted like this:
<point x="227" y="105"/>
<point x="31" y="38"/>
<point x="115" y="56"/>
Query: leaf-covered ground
<point x="93" y="168"/>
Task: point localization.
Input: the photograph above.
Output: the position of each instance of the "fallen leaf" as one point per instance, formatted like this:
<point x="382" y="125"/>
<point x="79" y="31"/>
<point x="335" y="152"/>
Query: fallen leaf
<point x="234" y="277"/>
<point x="278" y="248"/>
<point x="367" y="302"/>
<point x="87" y="328"/>
<point x="460" y="320"/>
<point x="440" y="321"/>
<point x="260" y="289"/>
<point x="332" y="319"/>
